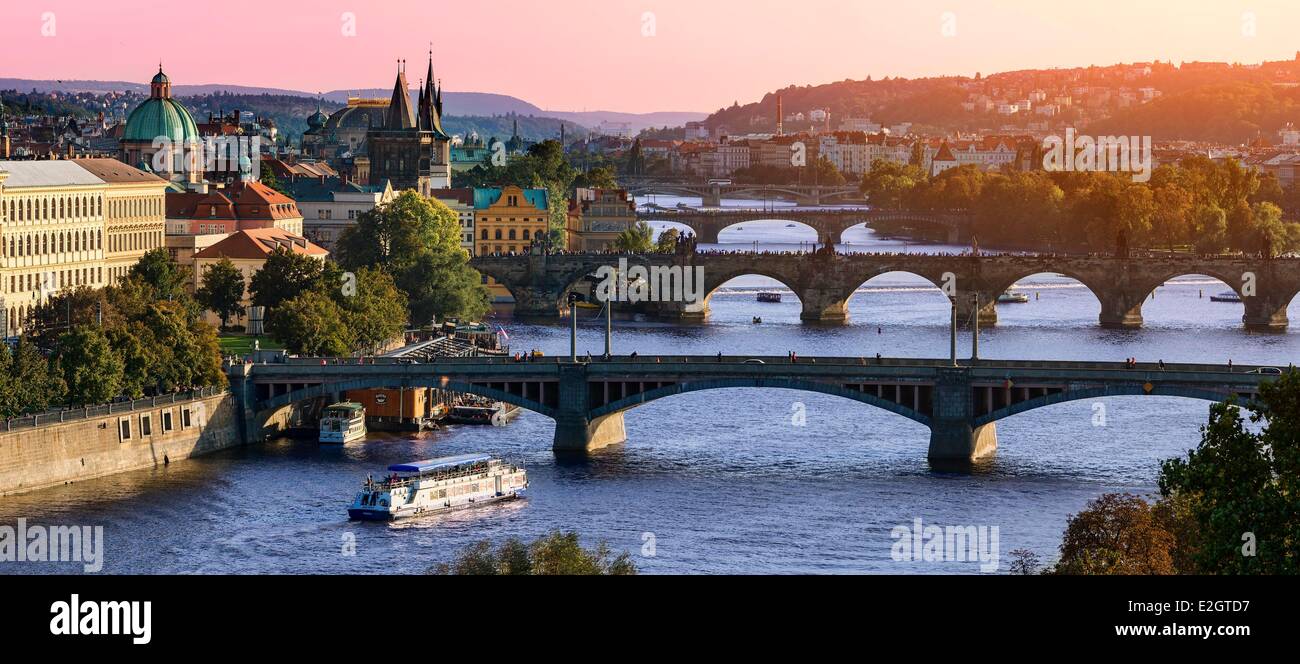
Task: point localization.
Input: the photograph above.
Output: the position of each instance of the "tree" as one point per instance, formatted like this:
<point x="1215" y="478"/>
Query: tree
<point x="889" y="185"/>
<point x="1241" y="486"/>
<point x="284" y="276"/>
<point x="91" y="370"/>
<point x="600" y="177"/>
<point x="1211" y="228"/>
<point x="395" y="234"/>
<point x="417" y="241"/>
<point x="1024" y="562"/>
<point x="1173" y="211"/>
<point x="311" y="324"/>
<point x="667" y="242"/>
<point x="223" y="290"/>
<point x="1117" y="534"/>
<point x="157" y="270"/>
<point x="376" y="313"/>
<point x="34" y="386"/>
<point x="557" y="554"/>
<point x="442" y="285"/>
<point x="638" y="239"/>
<point x="1273" y="235"/>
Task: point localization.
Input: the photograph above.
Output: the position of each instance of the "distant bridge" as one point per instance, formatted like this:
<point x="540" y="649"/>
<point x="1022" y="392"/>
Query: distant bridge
<point x="960" y="404"/>
<point x="829" y="223"/>
<point x="711" y="195"/>
<point x="825" y="282"/>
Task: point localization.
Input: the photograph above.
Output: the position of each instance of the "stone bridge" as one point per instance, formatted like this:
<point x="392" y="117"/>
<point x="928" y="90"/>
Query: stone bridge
<point x="711" y="195"/>
<point x="824" y="282"/>
<point x="830" y="224"/>
<point x="959" y="404"/>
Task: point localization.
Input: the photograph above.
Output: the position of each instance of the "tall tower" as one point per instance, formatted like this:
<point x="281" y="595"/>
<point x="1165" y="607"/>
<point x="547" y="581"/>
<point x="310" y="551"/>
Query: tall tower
<point x="410" y="149"/>
<point x="780" y="117"/>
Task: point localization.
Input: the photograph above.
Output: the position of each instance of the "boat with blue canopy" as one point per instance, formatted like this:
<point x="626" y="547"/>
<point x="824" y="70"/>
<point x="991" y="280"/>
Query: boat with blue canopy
<point x="438" y="485"/>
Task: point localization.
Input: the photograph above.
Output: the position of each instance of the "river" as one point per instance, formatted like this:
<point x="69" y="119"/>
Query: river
<point x="728" y="481"/>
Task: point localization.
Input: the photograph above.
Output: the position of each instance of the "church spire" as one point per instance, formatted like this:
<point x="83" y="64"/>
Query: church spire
<point x="399" y="115"/>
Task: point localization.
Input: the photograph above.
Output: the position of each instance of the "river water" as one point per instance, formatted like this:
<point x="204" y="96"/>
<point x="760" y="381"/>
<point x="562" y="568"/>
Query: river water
<point x="728" y="481"/>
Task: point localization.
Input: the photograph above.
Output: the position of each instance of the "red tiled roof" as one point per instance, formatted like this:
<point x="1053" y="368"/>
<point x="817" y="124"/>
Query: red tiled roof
<point x="259" y="243"/>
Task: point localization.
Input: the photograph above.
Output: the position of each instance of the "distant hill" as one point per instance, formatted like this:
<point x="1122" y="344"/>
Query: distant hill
<point x="477" y="104"/>
<point x="1223" y="113"/>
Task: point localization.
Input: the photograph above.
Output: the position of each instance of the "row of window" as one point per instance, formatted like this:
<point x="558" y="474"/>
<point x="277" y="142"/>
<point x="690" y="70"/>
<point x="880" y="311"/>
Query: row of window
<point x="39" y="244"/>
<point x="126" y="432"/>
<point x="511" y="235"/>
<point x="56" y="279"/>
<point x="56" y="206"/>
<point x="138" y="241"/>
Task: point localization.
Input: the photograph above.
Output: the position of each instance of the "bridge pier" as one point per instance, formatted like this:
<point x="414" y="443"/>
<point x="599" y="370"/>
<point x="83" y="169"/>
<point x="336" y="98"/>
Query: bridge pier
<point x="955" y="441"/>
<point x="954" y="445"/>
<point x="1264" y="315"/>
<point x="579" y="434"/>
<point x="988" y="313"/>
<point x="1121" y="311"/>
<point x="823" y="306"/>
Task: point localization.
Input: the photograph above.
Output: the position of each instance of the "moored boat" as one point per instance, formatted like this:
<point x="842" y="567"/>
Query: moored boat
<point x="1226" y="296"/>
<point x="438" y="485"/>
<point x="482" y="412"/>
<point x="343" y="423"/>
<point x="1010" y="297"/>
<point x="769" y="297"/>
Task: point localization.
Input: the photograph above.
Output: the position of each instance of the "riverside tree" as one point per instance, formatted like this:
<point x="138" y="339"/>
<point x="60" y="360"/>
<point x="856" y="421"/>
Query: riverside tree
<point x="417" y="242"/>
<point x="556" y="554"/>
<point x="223" y="290"/>
<point x="91" y="370"/>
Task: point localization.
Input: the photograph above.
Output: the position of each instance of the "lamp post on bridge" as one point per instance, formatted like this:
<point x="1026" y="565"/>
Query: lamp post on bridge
<point x="975" y="329"/>
<point x="952" y="354"/>
<point x="574" y="299"/>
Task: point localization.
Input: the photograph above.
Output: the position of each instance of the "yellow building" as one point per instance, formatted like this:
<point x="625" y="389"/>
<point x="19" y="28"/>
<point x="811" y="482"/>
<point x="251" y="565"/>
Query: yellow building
<point x="135" y="214"/>
<point x="508" y="220"/>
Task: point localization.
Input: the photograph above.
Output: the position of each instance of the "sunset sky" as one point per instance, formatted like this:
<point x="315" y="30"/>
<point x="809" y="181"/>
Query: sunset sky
<point x="592" y="55"/>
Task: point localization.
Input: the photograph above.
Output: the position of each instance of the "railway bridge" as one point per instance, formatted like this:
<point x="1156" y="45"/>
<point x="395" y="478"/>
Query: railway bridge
<point x="587" y="400"/>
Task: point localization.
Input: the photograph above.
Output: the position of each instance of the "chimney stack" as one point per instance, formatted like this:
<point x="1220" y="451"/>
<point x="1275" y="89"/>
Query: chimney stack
<point x="780" y="117"/>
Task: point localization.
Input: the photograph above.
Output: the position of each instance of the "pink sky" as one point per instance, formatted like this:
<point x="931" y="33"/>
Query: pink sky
<point x="591" y="54"/>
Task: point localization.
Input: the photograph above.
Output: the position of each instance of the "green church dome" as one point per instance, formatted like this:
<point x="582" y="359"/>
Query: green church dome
<point x="160" y="117"/>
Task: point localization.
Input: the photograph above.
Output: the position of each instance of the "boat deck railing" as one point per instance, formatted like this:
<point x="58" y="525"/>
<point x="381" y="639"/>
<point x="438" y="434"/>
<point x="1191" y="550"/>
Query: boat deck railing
<point x="440" y="477"/>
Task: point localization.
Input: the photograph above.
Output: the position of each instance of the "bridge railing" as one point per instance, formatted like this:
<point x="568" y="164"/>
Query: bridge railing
<point x="643" y="361"/>
<point x="74" y="414"/>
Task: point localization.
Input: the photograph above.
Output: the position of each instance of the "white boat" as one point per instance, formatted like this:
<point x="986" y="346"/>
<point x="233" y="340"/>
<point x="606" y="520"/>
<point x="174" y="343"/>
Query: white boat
<point x="769" y="297"/>
<point x="1226" y="296"/>
<point x="343" y="423"/>
<point x="1010" y="297"/>
<point x="438" y="485"/>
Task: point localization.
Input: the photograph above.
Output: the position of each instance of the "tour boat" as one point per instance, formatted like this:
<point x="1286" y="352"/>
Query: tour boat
<point x="438" y="485"/>
<point x="1013" y="297"/>
<point x="343" y="423"/>
<point x="1226" y="296"/>
<point x="769" y="297"/>
<point x="478" y="412"/>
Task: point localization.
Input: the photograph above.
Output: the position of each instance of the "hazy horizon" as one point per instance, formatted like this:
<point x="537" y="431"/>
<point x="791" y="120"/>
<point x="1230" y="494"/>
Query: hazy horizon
<point x="589" y="55"/>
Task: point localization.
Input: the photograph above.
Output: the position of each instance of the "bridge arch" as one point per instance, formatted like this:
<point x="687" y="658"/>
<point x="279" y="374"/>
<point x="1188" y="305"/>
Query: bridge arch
<point x="785" y="384"/>
<point x="1118" y="390"/>
<point x="268" y="407"/>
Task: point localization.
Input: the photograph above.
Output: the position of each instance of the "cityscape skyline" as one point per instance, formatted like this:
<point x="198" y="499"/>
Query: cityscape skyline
<point x="674" y="48"/>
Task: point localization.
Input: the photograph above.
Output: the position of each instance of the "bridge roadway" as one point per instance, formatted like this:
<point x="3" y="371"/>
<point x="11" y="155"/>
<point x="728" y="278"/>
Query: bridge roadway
<point x="824" y="282"/>
<point x="711" y="194"/>
<point x="960" y="404"/>
<point x="830" y="223"/>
